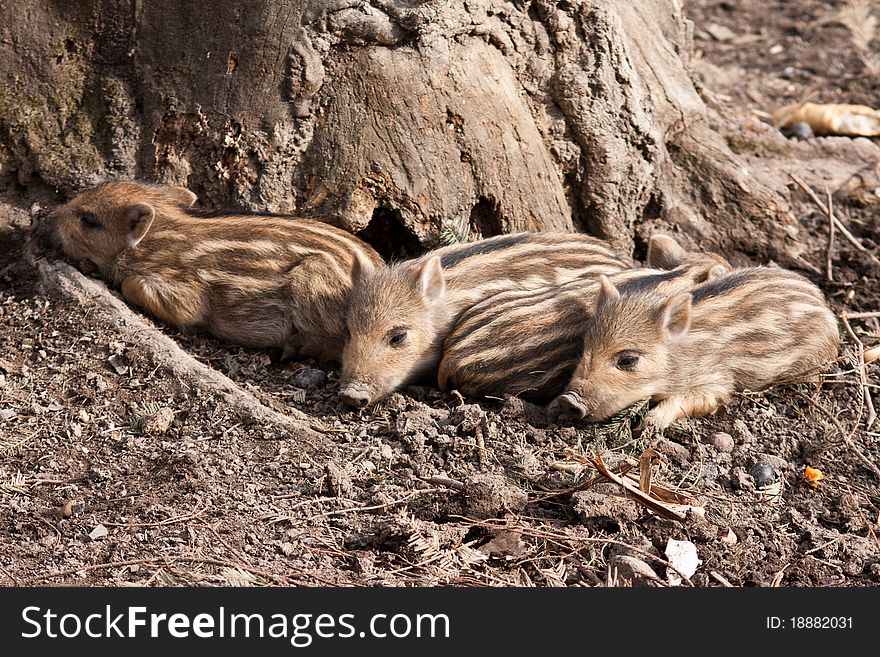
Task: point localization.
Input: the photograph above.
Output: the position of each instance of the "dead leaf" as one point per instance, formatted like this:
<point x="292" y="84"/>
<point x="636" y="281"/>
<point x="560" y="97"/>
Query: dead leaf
<point x="646" y="461"/>
<point x="661" y="509"/>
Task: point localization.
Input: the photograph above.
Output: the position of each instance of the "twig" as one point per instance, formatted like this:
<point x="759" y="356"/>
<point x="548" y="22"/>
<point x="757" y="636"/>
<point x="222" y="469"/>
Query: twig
<point x="233" y="551"/>
<point x="167" y="521"/>
<point x="10" y="576"/>
<point x="863" y="377"/>
<point x="863" y="315"/>
<point x="825" y="545"/>
<point x="661" y="509"/>
<point x="827" y="210"/>
<point x="828" y="271"/>
<point x="153" y="562"/>
<point x="777" y="578"/>
<point x="718" y="577"/>
<point x="444" y="481"/>
<point x="381" y="507"/>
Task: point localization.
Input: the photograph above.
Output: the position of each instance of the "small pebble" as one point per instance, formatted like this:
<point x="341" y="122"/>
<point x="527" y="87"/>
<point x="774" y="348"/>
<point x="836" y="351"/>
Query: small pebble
<point x="157" y="423"/>
<point x="310" y="378"/>
<point x="721" y="441"/>
<point x="118" y="364"/>
<point x="98" y="532"/>
<point x="675" y="452"/>
<point x="742" y="432"/>
<point x="727" y="536"/>
<point x="633" y="571"/>
<point x="720" y="32"/>
<point x="763" y="474"/>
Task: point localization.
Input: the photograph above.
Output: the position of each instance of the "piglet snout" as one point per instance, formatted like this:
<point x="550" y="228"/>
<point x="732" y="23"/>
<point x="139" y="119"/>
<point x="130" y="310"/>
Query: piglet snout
<point x="354" y="396"/>
<point x="571" y="403"/>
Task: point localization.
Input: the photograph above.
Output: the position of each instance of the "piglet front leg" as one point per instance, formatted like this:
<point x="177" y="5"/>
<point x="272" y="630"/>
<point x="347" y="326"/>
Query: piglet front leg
<point x="693" y="403"/>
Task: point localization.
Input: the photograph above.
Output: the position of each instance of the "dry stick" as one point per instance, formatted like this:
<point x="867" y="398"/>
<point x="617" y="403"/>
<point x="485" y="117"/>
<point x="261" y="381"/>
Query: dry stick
<point x="444" y="481"/>
<point x="10" y="576"/>
<point x="661" y="509"/>
<point x="777" y="578"/>
<point x="862" y="315"/>
<point x="160" y="523"/>
<point x="152" y="562"/>
<point x="828" y="270"/>
<point x="825" y="545"/>
<point x="720" y="579"/>
<point x="231" y="549"/>
<point x="827" y="210"/>
<point x="380" y="507"/>
<point x="70" y="283"/>
<point x="863" y="377"/>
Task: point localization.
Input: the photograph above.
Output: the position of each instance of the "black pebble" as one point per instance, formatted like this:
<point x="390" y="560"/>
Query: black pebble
<point x="763" y="474"/>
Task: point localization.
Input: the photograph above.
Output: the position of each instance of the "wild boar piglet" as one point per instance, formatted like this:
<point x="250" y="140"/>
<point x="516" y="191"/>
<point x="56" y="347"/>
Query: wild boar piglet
<point x="527" y="343"/>
<point x="399" y="315"/>
<point x="690" y="351"/>
<point x="265" y="281"/>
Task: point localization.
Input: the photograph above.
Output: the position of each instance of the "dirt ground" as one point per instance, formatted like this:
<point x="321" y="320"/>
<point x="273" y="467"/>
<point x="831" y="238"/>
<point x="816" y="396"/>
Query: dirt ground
<point x="115" y="470"/>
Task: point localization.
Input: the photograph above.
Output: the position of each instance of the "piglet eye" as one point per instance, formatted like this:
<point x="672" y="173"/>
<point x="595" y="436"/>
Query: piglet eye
<point x="627" y="360"/>
<point x="87" y="219"/>
<point x="396" y="338"/>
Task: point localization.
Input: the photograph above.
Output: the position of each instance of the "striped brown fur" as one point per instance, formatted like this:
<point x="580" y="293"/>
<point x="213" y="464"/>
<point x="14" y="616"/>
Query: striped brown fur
<point x="747" y="330"/>
<point x="400" y="314"/>
<point x="528" y="342"/>
<point x="259" y="281"/>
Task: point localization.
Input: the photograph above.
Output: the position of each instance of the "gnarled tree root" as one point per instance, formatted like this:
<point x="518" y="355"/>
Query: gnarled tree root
<point x="60" y="278"/>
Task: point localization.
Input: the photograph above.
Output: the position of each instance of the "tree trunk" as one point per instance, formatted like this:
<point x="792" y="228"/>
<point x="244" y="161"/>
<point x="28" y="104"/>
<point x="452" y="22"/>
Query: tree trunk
<point x="395" y="119"/>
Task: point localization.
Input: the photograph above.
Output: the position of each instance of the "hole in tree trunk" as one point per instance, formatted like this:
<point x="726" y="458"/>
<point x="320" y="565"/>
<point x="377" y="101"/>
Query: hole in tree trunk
<point x="387" y="234"/>
<point x="486" y="218"/>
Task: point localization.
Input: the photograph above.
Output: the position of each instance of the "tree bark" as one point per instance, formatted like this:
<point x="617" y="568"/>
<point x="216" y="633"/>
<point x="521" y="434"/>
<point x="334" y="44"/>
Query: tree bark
<point x="395" y="119"/>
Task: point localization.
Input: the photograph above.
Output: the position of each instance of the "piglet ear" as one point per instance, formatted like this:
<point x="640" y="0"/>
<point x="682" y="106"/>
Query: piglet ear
<point x="181" y="196"/>
<point x="664" y="252"/>
<point x="361" y="268"/>
<point x="138" y="219"/>
<point x="607" y="292"/>
<point x="676" y="316"/>
<point x="430" y="280"/>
